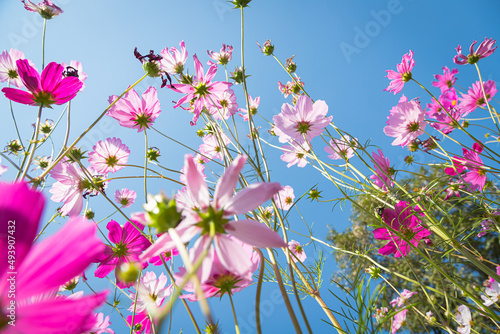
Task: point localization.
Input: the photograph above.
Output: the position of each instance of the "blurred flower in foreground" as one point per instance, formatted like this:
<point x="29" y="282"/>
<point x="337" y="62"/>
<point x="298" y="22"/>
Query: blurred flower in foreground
<point x="484" y="50"/>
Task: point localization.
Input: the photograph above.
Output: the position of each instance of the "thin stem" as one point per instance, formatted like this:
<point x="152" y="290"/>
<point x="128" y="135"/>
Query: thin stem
<point x="259" y="288"/>
<point x="43" y="43"/>
<point x="236" y="327"/>
<point x="32" y="152"/>
<point x="486" y="97"/>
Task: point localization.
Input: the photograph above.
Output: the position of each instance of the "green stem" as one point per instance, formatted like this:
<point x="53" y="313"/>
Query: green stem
<point x="486" y="98"/>
<point x="43" y="43"/>
<point x="259" y="288"/>
<point x="236" y="327"/>
<point x="32" y="152"/>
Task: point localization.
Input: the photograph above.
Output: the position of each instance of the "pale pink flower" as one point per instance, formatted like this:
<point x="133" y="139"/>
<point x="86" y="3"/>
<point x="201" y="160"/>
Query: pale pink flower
<point x="405" y="122"/>
<point x="446" y="80"/>
<point x="223" y="57"/>
<point x="492" y="294"/>
<point x="291" y="87"/>
<point x="284" y="198"/>
<point x="201" y="90"/>
<point x="67" y="253"/>
<point x="297" y="249"/>
<point x="403" y="219"/>
<point x="464" y="319"/>
<point x="136" y="112"/>
<point x="398" y="320"/>
<point x="109" y="156"/>
<point x="75" y="69"/>
<point x="46" y="89"/>
<point x="254" y="105"/>
<point x="383" y="171"/>
<point x="223" y="105"/>
<point x="199" y="166"/>
<point x="45" y="8"/>
<point x="380" y="313"/>
<point x="173" y="60"/>
<point x="223" y="206"/>
<point x="453" y="189"/>
<point x="3" y="169"/>
<point x="125" y="197"/>
<point x="8" y="67"/>
<point x="212" y="148"/>
<point x="305" y="119"/>
<point x="403" y="75"/>
<point x="341" y="149"/>
<point x="295" y="153"/>
<point x="475" y="97"/>
<point x="152" y="293"/>
<point x="184" y="200"/>
<point x="484" y="50"/>
<point x="401" y="300"/>
<point x="101" y="325"/>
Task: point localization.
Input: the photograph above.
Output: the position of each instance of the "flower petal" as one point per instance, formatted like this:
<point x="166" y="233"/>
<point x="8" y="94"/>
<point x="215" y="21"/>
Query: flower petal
<point x="227" y="183"/>
<point x="254" y="233"/>
<point x="251" y="197"/>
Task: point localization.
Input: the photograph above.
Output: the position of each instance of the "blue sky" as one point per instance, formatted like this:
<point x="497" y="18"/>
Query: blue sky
<point x="342" y="49"/>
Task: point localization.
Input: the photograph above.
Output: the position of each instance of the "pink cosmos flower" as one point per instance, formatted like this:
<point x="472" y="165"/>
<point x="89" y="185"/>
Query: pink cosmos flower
<point x="405" y="122"/>
<point x="49" y="88"/>
<point x="453" y="190"/>
<point x="173" y="60"/>
<point x="45" y="8"/>
<point x="305" y="119"/>
<point x="67" y="253"/>
<point x="284" y="198"/>
<point x="8" y="67"/>
<point x="383" y="171"/>
<point x="211" y="147"/>
<point x="125" y="197"/>
<point x="475" y="97"/>
<point x="142" y="323"/>
<point x="218" y="211"/>
<point x="223" y="57"/>
<point x="484" y="50"/>
<point x="224" y="105"/>
<point x="71" y="185"/>
<point x="295" y="154"/>
<point x="75" y="69"/>
<point x="108" y="156"/>
<point x="254" y="105"/>
<point x="401" y="300"/>
<point x="403" y="75"/>
<point x="199" y="166"/>
<point x="167" y="256"/>
<point x="101" y="325"/>
<point x="380" y="313"/>
<point x="446" y="80"/>
<point x="476" y="175"/>
<point x="398" y="320"/>
<point x="341" y="149"/>
<point x="134" y="112"/>
<point x="298" y="250"/>
<point x="404" y="220"/>
<point x="128" y="245"/>
<point x="152" y="293"/>
<point x="201" y="90"/>
<point x="464" y="319"/>
<point x="485" y="227"/>
<point x="184" y="200"/>
<point x="492" y="294"/>
<point x="446" y="120"/>
<point x="291" y="87"/>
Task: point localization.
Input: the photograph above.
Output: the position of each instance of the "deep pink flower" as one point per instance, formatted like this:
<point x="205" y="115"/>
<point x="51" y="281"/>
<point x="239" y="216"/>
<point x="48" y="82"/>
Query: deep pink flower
<point x="446" y="80"/>
<point x="254" y="105"/>
<point x="8" y="67"/>
<point x="128" y="245"/>
<point x="484" y="50"/>
<point x="224" y="104"/>
<point x="295" y="153"/>
<point x="41" y="268"/>
<point x="75" y="68"/>
<point x="173" y="60"/>
<point x="201" y="90"/>
<point x="108" y="156"/>
<point x="142" y="323"/>
<point x="218" y="210"/>
<point x="446" y="120"/>
<point x="125" y="197"/>
<point x="471" y="161"/>
<point x="404" y="220"/>
<point x="383" y="171"/>
<point x="49" y="88"/>
<point x="284" y="198"/>
<point x="167" y="256"/>
<point x="297" y="249"/>
<point x="405" y="122"/>
<point x="223" y="57"/>
<point x="45" y="8"/>
<point x="403" y="75"/>
<point x="341" y="149"/>
<point x="305" y="119"/>
<point x="136" y="112"/>
<point x="475" y="97"/>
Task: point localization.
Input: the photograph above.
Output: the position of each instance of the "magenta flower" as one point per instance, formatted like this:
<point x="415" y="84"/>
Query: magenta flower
<point x="134" y="112"/>
<point x="167" y="256"/>
<point x="125" y="197"/>
<point x="41" y="268"/>
<point x="446" y="120"/>
<point x="201" y="90"/>
<point x="45" y="8"/>
<point x="218" y="211"/>
<point x="484" y="50"/>
<point x="128" y="245"/>
<point x="49" y="88"/>
<point x="173" y="60"/>
<point x="341" y="149"/>
<point x="109" y="156"/>
<point x="297" y="249"/>
<point x="403" y="75"/>
<point x="284" y="198"/>
<point x="475" y="97"/>
<point x="476" y="175"/>
<point x="295" y="153"/>
<point x="305" y="119"/>
<point x="405" y="122"/>
<point x="8" y="67"/>
<point x="404" y="220"/>
<point x="75" y="69"/>
<point x="446" y="80"/>
<point x="383" y="171"/>
<point x="254" y="105"/>
<point x="223" y="57"/>
<point x="142" y="323"/>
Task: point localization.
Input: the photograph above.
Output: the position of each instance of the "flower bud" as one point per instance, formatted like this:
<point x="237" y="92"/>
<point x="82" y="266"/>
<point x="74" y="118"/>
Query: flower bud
<point x="128" y="272"/>
<point x="162" y="213"/>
